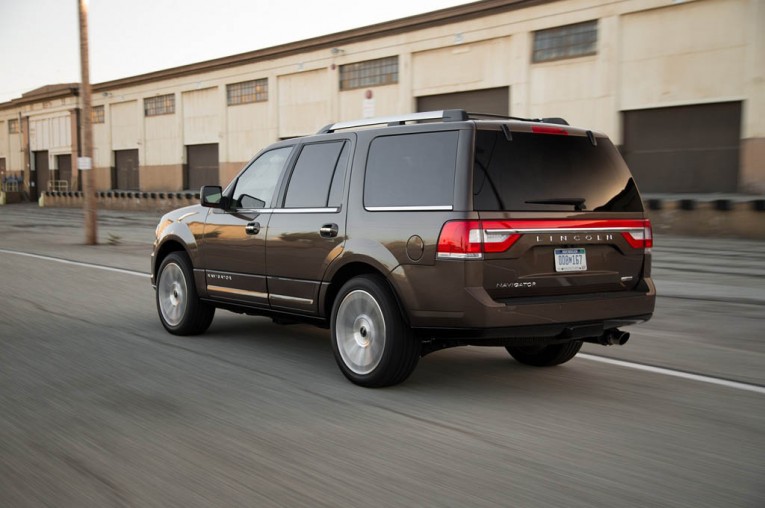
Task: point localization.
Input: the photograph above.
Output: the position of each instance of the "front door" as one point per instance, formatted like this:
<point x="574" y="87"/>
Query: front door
<point x="233" y="244"/>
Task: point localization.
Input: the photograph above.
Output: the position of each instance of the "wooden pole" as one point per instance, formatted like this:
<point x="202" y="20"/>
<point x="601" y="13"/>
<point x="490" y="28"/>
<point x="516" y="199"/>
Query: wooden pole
<point x="85" y="161"/>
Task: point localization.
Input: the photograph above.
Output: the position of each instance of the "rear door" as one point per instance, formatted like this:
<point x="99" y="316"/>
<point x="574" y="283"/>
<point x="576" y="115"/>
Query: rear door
<point x="307" y="229"/>
<point x="560" y="213"/>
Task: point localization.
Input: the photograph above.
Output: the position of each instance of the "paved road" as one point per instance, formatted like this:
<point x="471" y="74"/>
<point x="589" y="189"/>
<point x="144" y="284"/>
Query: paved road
<point x="100" y="407"/>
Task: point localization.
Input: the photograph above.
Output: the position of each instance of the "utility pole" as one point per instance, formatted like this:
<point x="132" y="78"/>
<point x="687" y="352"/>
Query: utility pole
<point x="85" y="161"/>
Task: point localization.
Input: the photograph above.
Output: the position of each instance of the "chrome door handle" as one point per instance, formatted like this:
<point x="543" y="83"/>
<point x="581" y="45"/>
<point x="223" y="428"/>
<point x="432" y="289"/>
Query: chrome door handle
<point x="329" y="230"/>
<point x="252" y="228"/>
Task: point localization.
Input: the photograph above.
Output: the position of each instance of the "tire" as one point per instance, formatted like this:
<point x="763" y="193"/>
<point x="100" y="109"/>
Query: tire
<point x="373" y="345"/>
<point x="545" y="356"/>
<point x="178" y="304"/>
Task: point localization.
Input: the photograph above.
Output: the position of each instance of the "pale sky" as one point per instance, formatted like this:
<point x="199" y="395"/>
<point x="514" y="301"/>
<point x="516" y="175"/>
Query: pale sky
<point x="40" y="38"/>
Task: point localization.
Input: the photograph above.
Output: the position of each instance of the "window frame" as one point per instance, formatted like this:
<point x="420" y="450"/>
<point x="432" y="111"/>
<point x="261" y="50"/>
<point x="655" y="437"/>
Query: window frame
<point x="561" y="42"/>
<point x="237" y="93"/>
<point x="159" y="105"/>
<point x="98" y="114"/>
<point x="369" y="73"/>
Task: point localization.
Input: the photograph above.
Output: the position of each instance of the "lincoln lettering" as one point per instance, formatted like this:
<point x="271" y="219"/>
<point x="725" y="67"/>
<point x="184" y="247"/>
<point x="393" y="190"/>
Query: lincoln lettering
<point x="576" y="238"/>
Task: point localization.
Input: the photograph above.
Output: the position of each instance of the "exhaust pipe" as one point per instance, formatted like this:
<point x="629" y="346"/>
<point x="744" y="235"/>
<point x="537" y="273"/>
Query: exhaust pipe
<point x="613" y="337"/>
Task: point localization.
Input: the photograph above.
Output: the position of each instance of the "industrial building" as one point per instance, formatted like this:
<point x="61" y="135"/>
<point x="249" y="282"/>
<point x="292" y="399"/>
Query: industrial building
<point x="678" y="85"/>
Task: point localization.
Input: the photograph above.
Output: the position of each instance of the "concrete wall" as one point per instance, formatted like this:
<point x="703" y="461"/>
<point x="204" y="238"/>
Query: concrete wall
<point x="650" y="53"/>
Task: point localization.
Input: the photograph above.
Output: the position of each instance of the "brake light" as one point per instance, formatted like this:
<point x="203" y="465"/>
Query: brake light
<point x="470" y="239"/>
<point x="542" y="129"/>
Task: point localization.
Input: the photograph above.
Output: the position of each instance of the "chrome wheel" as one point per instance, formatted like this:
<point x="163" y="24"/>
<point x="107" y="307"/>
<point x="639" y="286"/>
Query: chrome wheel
<point x="360" y="332"/>
<point x="172" y="294"/>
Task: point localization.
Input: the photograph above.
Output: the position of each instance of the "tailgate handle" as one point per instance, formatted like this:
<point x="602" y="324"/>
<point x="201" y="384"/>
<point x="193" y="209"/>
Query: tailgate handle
<point x="252" y="228"/>
<point x="329" y="230"/>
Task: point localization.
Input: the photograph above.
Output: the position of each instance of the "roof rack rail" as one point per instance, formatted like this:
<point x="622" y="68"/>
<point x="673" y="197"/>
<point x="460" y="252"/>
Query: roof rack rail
<point x="555" y="120"/>
<point x="446" y="115"/>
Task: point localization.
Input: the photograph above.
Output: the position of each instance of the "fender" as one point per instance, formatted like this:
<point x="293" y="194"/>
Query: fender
<point x="184" y="227"/>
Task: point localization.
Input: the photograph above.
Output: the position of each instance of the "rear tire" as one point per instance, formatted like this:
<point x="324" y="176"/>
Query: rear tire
<point x="373" y="345"/>
<point x="545" y="356"/>
<point x="178" y="304"/>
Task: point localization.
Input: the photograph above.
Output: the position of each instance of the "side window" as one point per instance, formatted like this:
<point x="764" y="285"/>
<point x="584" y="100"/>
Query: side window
<point x="338" y="180"/>
<point x="411" y="170"/>
<point x="319" y="170"/>
<point x="255" y="187"/>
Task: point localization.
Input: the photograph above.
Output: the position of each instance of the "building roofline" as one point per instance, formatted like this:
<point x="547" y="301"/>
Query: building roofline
<point x="394" y="27"/>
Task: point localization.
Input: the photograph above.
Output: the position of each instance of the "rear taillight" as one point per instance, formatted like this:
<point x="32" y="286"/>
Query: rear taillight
<point x="470" y="239"/>
<point x="640" y="237"/>
<point x="460" y="240"/>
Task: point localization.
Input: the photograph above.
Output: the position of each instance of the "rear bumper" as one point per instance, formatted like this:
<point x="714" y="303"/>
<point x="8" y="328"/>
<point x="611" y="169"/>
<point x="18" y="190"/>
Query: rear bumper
<point x="530" y="334"/>
<point x="476" y="315"/>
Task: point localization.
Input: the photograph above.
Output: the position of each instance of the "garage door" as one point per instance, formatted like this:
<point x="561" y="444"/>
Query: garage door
<point x="64" y="164"/>
<point x="684" y="149"/>
<point x="126" y="168"/>
<point x="41" y="174"/>
<point x="202" y="168"/>
<point x="495" y="101"/>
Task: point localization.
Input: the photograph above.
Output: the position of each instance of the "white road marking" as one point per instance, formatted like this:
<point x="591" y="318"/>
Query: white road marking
<point x="676" y="373"/>
<point x="621" y="363"/>
<point x="76" y="263"/>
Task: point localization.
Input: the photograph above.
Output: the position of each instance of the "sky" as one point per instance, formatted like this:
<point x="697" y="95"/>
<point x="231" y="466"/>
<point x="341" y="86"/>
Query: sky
<point x="40" y="38"/>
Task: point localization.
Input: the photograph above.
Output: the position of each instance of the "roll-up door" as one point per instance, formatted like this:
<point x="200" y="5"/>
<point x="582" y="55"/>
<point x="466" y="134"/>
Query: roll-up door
<point x="495" y="101"/>
<point x="41" y="174"/>
<point x="684" y="149"/>
<point x="126" y="169"/>
<point x="202" y="168"/>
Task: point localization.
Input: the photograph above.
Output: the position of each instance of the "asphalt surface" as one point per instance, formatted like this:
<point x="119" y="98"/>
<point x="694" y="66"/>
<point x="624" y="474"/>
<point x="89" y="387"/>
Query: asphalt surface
<point x="99" y="406"/>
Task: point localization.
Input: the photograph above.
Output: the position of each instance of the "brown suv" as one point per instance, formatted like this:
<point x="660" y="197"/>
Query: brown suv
<point x="417" y="233"/>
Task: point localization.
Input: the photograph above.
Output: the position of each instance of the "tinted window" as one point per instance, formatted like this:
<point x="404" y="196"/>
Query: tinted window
<point x="338" y="180"/>
<point x="411" y="170"/>
<point x="542" y="172"/>
<point x="312" y="177"/>
<point x="255" y="187"/>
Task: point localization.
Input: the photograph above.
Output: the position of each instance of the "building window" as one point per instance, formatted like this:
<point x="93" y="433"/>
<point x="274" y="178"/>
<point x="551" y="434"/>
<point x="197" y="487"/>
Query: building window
<point x="97" y="114"/>
<point x="566" y="41"/>
<point x="383" y="71"/>
<point x="160" y="105"/>
<point x="13" y="126"/>
<point x="247" y="91"/>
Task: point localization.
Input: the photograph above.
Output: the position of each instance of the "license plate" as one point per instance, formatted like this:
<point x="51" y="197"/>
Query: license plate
<point x="570" y="260"/>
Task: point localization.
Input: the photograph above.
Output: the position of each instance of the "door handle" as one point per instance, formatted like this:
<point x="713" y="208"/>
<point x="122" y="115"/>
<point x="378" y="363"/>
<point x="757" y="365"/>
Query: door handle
<point x="329" y="230"/>
<point x="252" y="228"/>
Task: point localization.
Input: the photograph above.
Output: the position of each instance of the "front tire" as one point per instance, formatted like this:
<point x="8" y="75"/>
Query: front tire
<point x="178" y="304"/>
<point x="545" y="356"/>
<point x="373" y="345"/>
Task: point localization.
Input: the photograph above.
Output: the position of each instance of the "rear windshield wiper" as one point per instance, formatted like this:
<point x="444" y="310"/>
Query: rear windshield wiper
<point x="577" y="203"/>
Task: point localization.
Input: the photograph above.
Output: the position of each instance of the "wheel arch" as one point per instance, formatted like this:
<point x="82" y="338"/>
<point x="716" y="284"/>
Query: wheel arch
<point x="348" y="272"/>
<point x="167" y="247"/>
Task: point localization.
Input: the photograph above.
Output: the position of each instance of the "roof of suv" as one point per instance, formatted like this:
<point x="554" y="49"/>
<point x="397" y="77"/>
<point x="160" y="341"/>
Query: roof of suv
<point x="446" y="115"/>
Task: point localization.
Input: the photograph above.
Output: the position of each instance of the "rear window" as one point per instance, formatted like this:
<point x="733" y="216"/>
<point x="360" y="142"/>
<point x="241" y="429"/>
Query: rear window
<point x="544" y="172"/>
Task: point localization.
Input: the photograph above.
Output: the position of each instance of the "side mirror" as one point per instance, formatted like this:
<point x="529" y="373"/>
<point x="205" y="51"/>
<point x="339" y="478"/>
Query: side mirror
<point x="212" y="197"/>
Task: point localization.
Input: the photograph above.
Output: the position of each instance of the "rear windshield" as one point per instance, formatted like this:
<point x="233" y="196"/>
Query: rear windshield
<point x="545" y="172"/>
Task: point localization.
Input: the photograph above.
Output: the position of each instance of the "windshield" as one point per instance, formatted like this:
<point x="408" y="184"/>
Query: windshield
<point x="543" y="172"/>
